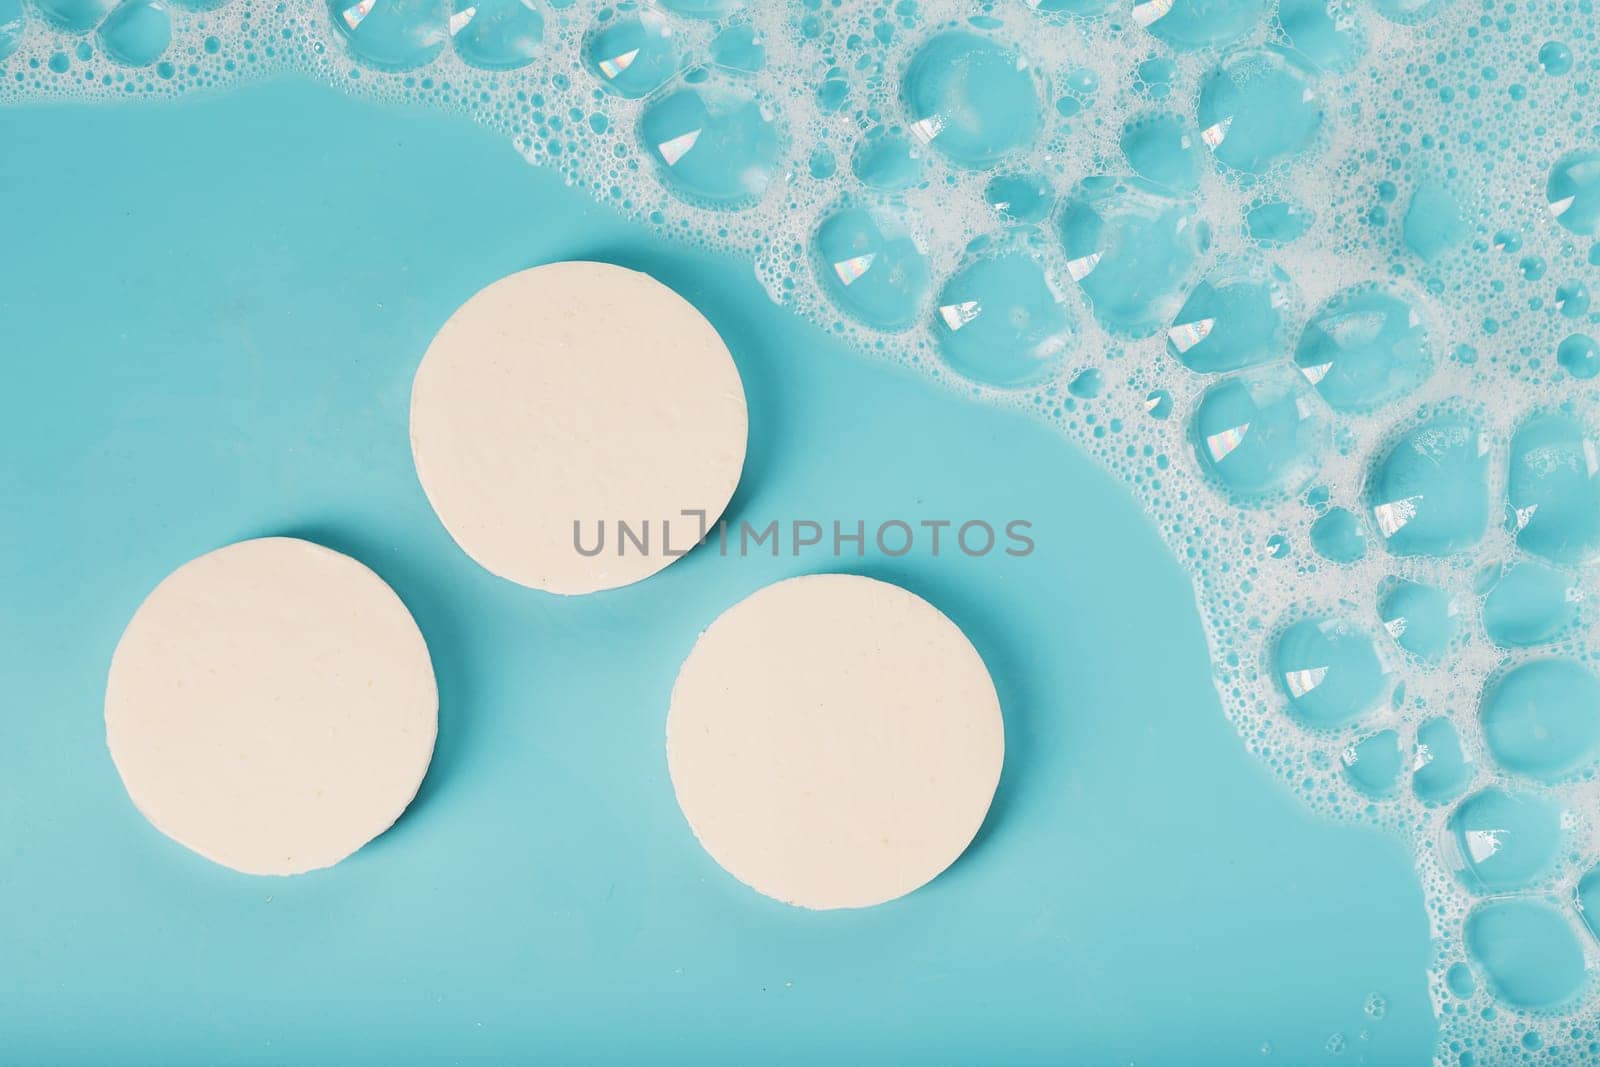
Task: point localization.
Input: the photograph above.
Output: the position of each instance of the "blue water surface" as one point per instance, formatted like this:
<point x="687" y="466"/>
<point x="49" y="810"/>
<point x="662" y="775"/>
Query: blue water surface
<point x="212" y="311"/>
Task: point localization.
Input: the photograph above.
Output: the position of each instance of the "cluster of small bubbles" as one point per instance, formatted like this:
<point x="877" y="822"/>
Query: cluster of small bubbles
<point x="1313" y="277"/>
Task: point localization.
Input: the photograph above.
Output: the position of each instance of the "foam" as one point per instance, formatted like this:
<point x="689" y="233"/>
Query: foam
<point x="1422" y="166"/>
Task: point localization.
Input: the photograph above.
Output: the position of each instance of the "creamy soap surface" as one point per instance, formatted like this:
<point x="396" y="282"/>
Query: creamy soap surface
<point x="272" y="706"/>
<point x="576" y="393"/>
<point x="834" y="741"/>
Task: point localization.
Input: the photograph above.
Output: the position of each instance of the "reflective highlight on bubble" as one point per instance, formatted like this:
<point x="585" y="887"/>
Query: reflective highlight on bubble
<point x="1363" y="349"/>
<point x="970" y="98"/>
<point x="1429" y="492"/>
<point x="1330" y="671"/>
<point x="497" y="34"/>
<point x="1131" y="247"/>
<point x="393" y="34"/>
<point x="872" y="268"/>
<point x="714" y="146"/>
<point x="1259" y="437"/>
<point x="1000" y="321"/>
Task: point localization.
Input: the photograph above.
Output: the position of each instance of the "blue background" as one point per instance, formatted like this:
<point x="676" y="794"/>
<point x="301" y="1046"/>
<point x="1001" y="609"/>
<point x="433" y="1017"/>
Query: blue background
<point x="210" y="314"/>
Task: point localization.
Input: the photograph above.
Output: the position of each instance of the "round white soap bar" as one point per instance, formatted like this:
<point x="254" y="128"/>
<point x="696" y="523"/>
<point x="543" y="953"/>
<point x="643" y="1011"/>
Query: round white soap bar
<point x="834" y="741"/>
<point x="271" y="706"/>
<point x="577" y="393"/>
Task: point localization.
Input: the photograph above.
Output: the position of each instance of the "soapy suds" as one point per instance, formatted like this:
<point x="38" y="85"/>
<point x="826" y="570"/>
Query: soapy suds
<point x="1312" y="277"/>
